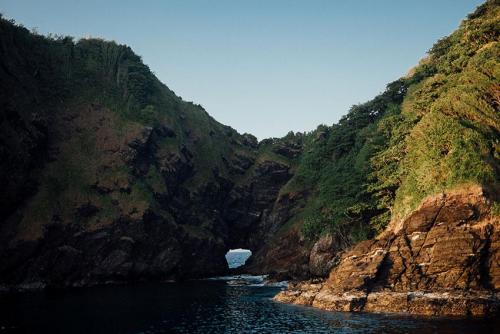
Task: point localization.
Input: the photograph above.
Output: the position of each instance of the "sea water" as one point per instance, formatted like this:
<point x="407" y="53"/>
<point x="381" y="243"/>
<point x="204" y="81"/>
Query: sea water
<point x="237" y="304"/>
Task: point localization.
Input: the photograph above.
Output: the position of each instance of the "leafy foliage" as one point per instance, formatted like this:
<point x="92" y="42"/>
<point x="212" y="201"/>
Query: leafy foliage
<point x="434" y="130"/>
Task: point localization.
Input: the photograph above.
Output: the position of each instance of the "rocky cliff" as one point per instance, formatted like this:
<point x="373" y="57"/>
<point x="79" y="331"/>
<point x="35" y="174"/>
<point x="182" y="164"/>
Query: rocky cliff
<point x="430" y="189"/>
<point x="443" y="260"/>
<point x="108" y="176"/>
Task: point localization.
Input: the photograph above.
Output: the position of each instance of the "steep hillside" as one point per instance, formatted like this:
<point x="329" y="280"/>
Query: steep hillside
<point x="434" y="130"/>
<point x="107" y="175"/>
<point x="428" y="166"/>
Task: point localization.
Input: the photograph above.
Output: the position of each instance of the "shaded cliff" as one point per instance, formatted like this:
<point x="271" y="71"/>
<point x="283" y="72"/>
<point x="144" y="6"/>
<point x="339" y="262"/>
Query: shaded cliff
<point x="107" y="175"/>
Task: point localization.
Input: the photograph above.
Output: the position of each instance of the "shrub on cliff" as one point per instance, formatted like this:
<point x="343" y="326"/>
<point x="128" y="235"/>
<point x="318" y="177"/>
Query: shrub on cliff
<point x="433" y="130"/>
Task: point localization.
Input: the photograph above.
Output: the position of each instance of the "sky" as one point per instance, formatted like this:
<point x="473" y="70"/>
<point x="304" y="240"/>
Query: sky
<point x="263" y="66"/>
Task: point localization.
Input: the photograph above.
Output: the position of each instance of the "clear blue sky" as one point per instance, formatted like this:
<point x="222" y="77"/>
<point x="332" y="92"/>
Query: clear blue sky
<point x="262" y="66"/>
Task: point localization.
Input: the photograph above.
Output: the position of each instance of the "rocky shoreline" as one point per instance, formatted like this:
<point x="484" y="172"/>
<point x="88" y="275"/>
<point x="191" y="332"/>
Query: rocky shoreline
<point x="414" y="302"/>
<point x="442" y="260"/>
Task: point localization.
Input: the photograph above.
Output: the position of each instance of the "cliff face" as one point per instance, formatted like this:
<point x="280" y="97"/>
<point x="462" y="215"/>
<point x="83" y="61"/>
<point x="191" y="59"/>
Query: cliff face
<point x="139" y="217"/>
<point x="430" y="188"/>
<point x="434" y="130"/>
<point x="443" y="260"/>
<point x="107" y="175"/>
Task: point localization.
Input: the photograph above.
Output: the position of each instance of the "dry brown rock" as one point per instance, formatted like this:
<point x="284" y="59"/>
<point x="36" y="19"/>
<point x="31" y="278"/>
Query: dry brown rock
<point x="441" y="260"/>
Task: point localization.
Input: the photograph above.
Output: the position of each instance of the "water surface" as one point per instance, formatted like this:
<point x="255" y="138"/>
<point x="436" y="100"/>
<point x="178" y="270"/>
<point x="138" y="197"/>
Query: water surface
<point x="198" y="307"/>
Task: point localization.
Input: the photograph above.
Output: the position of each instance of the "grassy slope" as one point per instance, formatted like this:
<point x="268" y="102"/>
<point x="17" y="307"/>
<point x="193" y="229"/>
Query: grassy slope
<point x="435" y="129"/>
<point x="109" y="96"/>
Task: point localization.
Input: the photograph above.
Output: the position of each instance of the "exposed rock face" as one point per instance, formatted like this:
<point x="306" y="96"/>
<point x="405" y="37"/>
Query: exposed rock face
<point x="442" y="260"/>
<point x="107" y="175"/>
<point x="284" y="255"/>
<point x="122" y="252"/>
<point x="323" y="256"/>
<point x="285" y="258"/>
<point x="82" y="245"/>
<point x="249" y="204"/>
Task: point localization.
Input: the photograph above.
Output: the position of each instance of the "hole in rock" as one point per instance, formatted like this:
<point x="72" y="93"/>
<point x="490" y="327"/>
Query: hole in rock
<point x="237" y="257"/>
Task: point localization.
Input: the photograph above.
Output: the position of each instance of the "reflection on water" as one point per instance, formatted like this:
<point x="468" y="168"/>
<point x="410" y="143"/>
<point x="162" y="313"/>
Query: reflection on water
<point x="198" y="307"/>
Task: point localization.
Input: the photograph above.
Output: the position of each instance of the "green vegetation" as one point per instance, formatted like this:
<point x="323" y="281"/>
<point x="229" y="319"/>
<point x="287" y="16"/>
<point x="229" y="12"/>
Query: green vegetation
<point x="436" y="129"/>
<point x="93" y="98"/>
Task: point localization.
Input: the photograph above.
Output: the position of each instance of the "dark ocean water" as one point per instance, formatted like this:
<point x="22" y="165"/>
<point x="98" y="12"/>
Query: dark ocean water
<point x="198" y="307"/>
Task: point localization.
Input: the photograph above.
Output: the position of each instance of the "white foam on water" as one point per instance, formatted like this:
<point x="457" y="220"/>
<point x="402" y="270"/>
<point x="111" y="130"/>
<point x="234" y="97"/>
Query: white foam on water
<point x="248" y="280"/>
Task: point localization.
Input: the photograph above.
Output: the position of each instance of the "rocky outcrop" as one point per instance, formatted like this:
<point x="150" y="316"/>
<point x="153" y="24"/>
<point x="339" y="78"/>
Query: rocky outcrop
<point x="285" y="253"/>
<point x="441" y="260"/>
<point x="117" y="235"/>
<point x="249" y="204"/>
<point x="283" y="258"/>
<point x="323" y="256"/>
<point x="141" y="215"/>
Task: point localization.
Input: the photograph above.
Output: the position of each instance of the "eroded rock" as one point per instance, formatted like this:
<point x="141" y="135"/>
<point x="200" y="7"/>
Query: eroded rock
<point x="441" y="260"/>
<point x="322" y="257"/>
